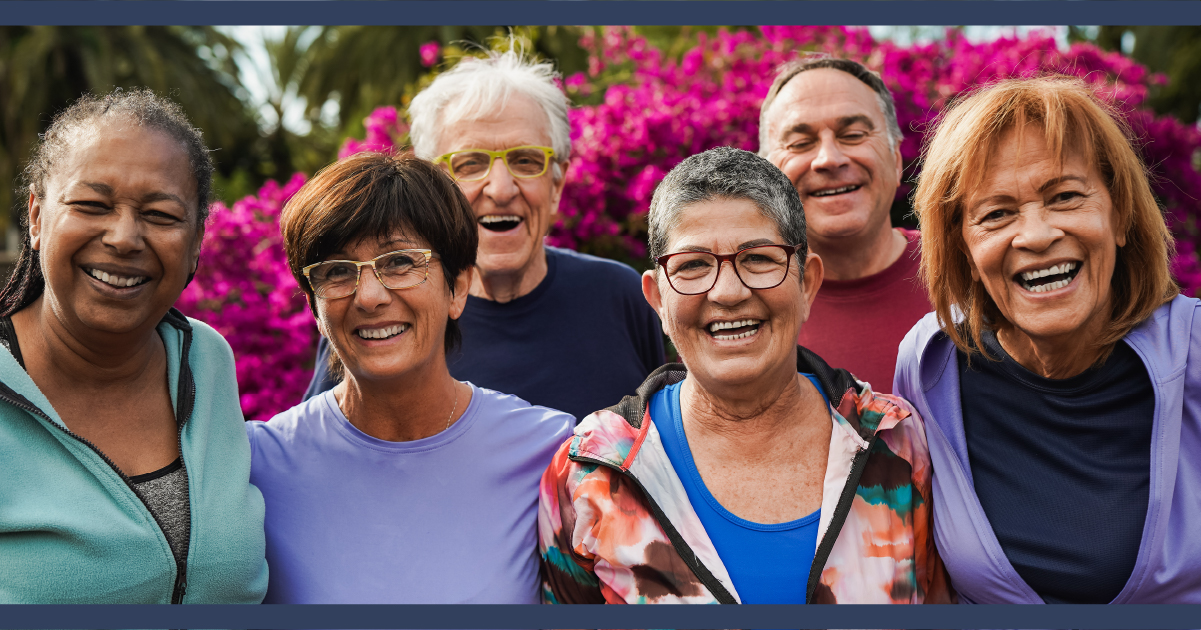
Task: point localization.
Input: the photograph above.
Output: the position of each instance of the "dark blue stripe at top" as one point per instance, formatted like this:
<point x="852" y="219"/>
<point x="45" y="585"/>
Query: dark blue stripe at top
<point x="650" y="12"/>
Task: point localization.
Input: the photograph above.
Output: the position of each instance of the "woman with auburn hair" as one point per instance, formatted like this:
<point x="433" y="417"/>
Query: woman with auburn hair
<point x="401" y="485"/>
<point x="1057" y="375"/>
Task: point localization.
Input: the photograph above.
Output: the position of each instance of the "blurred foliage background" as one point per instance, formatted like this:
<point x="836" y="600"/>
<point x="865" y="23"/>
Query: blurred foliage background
<point x="287" y="104"/>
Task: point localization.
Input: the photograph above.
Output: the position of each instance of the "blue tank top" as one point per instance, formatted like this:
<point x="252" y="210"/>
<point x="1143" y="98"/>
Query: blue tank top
<point x="769" y="563"/>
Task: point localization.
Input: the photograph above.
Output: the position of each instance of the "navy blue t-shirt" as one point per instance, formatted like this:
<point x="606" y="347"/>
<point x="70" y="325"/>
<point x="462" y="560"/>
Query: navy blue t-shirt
<point x="1062" y="468"/>
<point x="768" y="563"/>
<point x="580" y="341"/>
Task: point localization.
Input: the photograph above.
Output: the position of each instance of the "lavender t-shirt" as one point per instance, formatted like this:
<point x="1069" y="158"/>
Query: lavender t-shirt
<point x="447" y="519"/>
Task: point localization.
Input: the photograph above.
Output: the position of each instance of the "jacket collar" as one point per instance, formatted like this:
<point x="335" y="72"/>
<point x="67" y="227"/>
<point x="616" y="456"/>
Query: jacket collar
<point x="615" y="434"/>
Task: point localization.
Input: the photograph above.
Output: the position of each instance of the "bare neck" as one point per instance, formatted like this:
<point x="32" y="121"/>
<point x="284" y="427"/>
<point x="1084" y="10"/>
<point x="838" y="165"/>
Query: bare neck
<point x="859" y="256"/>
<point x="750" y="425"/>
<point x="1059" y="357"/>
<point x="507" y="286"/>
<point x="53" y="353"/>
<point x="427" y="404"/>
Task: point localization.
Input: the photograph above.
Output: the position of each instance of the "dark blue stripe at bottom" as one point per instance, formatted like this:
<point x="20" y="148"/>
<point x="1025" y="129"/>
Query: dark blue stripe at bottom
<point x="1133" y="617"/>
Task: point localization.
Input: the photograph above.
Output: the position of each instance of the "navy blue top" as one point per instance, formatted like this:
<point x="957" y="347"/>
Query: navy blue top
<point x="768" y="563"/>
<point x="1062" y="468"/>
<point x="580" y="341"/>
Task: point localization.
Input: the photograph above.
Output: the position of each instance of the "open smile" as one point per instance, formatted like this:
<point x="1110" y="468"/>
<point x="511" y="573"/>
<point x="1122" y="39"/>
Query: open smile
<point x="1049" y="278"/>
<point x="386" y="332"/>
<point x="500" y="222"/>
<point x="114" y="280"/>
<point x="841" y="190"/>
<point x="740" y="329"/>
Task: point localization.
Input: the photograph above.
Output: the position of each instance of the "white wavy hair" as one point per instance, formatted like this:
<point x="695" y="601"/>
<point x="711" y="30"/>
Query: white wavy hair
<point x="477" y="86"/>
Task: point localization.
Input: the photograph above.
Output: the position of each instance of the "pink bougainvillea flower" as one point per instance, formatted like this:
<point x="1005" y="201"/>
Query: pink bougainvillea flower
<point x="429" y="53"/>
<point x="652" y="111"/>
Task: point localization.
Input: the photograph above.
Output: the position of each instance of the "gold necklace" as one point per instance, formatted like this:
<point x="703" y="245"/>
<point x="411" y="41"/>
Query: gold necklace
<point x="456" y="406"/>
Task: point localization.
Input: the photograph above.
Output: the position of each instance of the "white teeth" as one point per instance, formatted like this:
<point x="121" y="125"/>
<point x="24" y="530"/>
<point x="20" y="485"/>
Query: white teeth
<point x="1042" y="288"/>
<point x="716" y="326"/>
<point x="835" y="191"/>
<point x="1050" y="271"/>
<point x="115" y="280"/>
<point x="738" y="336"/>
<point x="499" y="218"/>
<point x="381" y="333"/>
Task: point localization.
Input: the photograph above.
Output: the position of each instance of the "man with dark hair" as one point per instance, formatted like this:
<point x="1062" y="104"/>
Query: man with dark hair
<point x="830" y="125"/>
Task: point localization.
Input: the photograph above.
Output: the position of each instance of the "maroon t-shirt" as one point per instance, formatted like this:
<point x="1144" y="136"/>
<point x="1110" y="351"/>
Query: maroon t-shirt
<point x="858" y="324"/>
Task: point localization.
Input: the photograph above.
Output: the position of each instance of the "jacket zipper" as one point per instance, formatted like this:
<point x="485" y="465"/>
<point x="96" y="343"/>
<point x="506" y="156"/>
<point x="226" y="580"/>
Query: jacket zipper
<point x="702" y="572"/>
<point x="11" y="397"/>
<point x="187" y="400"/>
<point x="841" y="510"/>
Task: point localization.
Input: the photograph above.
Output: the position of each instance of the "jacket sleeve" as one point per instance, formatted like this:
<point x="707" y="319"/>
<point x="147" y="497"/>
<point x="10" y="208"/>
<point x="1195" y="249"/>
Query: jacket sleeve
<point x="904" y="380"/>
<point x="934" y="584"/>
<point x="567" y="577"/>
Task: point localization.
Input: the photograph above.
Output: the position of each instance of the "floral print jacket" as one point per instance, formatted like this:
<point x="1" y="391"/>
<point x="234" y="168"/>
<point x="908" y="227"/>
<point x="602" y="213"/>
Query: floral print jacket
<point x="616" y="526"/>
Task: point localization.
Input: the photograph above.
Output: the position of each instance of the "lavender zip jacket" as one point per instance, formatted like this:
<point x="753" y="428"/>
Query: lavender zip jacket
<point x="1168" y="569"/>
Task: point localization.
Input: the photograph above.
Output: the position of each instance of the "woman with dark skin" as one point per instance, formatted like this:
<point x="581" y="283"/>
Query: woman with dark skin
<point x="119" y="417"/>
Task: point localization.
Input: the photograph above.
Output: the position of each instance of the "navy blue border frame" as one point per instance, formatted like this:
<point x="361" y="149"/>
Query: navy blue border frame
<point x="593" y="616"/>
<point x="539" y="12"/>
<point x="648" y="12"/>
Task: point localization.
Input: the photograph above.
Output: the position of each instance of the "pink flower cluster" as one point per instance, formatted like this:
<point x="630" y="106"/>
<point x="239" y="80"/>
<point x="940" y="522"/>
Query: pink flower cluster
<point x="661" y="111"/>
<point x="245" y="290"/>
<point x="655" y="112"/>
<point x="385" y="131"/>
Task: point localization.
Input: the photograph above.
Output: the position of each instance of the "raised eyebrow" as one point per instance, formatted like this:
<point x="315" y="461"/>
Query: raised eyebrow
<point x="972" y="209"/>
<point x="847" y="121"/>
<point x="693" y="248"/>
<point x="840" y="123"/>
<point x="756" y="243"/>
<point x="398" y="241"/>
<point x="801" y="128"/>
<point x="162" y="196"/>
<point x="103" y="189"/>
<point x="1059" y="180"/>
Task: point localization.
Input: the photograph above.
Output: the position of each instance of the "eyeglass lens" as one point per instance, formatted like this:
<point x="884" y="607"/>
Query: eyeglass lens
<point x="758" y="268"/>
<point x="522" y="162"/>
<point x="397" y="270"/>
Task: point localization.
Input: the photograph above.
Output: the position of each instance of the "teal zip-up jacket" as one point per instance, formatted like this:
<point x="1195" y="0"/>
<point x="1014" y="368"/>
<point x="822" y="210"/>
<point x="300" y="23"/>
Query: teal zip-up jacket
<point x="73" y="530"/>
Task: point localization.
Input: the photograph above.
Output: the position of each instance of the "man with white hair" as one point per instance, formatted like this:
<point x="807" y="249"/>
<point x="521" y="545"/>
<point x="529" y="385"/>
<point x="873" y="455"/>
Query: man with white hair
<point x="557" y="328"/>
<point x="831" y="126"/>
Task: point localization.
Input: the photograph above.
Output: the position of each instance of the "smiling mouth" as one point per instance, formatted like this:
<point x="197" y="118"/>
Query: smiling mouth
<point x="500" y="222"/>
<point x="835" y="191"/>
<point x="386" y="332"/>
<point x="1049" y="279"/>
<point x="734" y="330"/>
<point x="113" y="280"/>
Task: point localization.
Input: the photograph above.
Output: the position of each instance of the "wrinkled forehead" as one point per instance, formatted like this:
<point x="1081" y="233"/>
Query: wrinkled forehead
<point x="721" y="224"/>
<point x="1015" y="142"/>
<point x="823" y="96"/>
<point x="511" y="119"/>
<point x="96" y="153"/>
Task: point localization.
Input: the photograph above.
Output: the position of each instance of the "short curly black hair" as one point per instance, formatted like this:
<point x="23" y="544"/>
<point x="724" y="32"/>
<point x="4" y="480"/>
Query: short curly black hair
<point x="141" y="106"/>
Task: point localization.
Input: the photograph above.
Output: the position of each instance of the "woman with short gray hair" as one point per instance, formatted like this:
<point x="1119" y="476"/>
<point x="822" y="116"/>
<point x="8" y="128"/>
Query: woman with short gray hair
<point x="753" y="472"/>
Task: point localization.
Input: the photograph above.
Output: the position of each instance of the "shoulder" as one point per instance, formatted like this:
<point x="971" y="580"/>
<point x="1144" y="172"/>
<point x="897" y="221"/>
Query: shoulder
<point x="521" y="417"/>
<point x="207" y="343"/>
<point x="1161" y="337"/>
<point x="287" y="426"/>
<point x="917" y="339"/>
<point x="593" y="267"/>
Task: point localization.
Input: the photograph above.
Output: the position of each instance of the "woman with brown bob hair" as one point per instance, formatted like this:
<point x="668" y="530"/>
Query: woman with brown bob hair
<point x="1061" y="394"/>
<point x="401" y="484"/>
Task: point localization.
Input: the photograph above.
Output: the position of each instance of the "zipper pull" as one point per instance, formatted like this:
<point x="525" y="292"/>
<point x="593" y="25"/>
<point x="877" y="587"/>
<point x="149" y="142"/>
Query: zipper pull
<point x="181" y="587"/>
